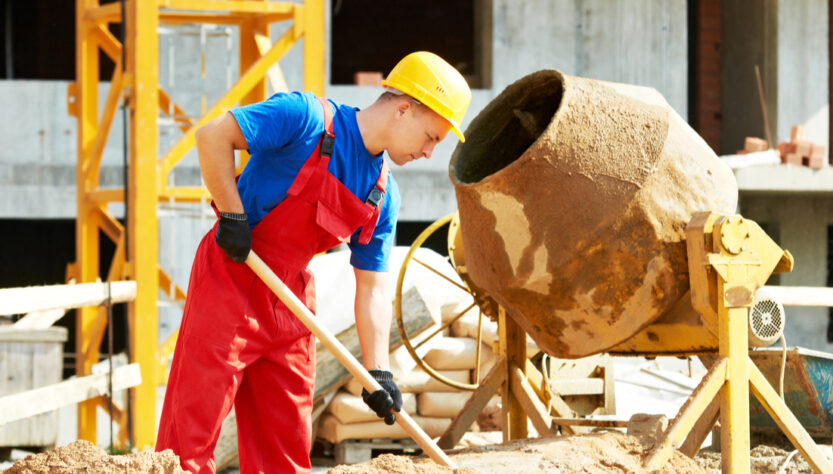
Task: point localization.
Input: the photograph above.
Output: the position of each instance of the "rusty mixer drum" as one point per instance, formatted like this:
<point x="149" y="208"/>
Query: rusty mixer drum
<point x="574" y="195"/>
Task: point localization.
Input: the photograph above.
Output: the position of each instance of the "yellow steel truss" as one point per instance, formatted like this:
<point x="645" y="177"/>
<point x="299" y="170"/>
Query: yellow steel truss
<point x="138" y="85"/>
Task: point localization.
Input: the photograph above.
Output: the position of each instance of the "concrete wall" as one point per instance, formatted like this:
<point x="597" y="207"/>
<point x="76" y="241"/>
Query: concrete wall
<point x="787" y="39"/>
<point x="801" y="221"/>
<point x="642" y="42"/>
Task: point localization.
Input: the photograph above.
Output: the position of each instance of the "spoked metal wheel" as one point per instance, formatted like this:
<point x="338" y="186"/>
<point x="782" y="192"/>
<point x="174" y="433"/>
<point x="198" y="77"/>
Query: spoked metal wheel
<point x="486" y="306"/>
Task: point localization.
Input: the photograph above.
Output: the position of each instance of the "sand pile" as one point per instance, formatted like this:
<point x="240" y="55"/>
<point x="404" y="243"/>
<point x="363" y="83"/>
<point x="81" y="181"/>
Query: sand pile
<point x="84" y="456"/>
<point x="609" y="452"/>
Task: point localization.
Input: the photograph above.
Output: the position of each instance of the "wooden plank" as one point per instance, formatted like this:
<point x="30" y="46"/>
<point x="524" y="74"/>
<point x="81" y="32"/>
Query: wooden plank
<point x="475" y="404"/>
<point x="701" y="429"/>
<point x="39" y="298"/>
<point x="588" y="386"/>
<point x="40" y="319"/>
<point x="14" y="334"/>
<point x="800" y="295"/>
<point x="330" y="374"/>
<point x="590" y="422"/>
<point x="40" y="400"/>
<point x="526" y="396"/>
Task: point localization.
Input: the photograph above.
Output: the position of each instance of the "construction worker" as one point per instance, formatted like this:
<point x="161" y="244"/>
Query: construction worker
<point x="316" y="177"/>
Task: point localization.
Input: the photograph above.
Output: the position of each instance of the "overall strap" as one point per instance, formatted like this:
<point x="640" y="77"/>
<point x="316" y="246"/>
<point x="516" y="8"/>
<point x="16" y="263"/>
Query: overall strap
<point x="375" y="198"/>
<point x="320" y="157"/>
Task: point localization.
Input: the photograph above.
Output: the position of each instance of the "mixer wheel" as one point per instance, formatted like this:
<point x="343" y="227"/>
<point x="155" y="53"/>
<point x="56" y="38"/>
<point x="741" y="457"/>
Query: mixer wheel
<point x="410" y="261"/>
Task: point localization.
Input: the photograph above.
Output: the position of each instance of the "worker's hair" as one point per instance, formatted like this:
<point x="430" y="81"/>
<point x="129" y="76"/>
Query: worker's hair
<point x="391" y="95"/>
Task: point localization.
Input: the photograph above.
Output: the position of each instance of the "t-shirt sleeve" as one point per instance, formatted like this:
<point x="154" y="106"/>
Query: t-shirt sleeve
<point x="276" y="122"/>
<point x="374" y="255"/>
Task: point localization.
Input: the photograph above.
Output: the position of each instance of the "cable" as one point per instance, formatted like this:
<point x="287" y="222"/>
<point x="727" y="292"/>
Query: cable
<point x="783" y="467"/>
<point x="783" y="365"/>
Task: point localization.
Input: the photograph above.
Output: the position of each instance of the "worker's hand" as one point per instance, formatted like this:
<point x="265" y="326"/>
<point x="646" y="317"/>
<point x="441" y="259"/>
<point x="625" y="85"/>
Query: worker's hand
<point x="382" y="401"/>
<point x="234" y="236"/>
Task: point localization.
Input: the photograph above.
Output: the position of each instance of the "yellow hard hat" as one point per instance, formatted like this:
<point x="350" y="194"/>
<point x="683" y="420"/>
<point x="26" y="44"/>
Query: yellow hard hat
<point x="429" y="79"/>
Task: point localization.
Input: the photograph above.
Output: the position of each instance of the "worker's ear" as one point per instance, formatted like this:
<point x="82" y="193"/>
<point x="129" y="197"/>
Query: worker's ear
<point x="402" y="107"/>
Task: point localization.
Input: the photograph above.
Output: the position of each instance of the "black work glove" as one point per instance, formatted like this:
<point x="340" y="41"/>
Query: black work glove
<point x="234" y="236"/>
<point x="382" y="401"/>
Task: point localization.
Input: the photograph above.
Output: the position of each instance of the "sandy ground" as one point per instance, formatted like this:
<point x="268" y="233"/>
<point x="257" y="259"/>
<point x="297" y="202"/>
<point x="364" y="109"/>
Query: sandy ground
<point x="598" y="453"/>
<point x="609" y="452"/>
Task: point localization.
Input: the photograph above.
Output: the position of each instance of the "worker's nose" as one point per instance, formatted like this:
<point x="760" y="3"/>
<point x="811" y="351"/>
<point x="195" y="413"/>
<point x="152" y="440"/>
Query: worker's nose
<point x="428" y="149"/>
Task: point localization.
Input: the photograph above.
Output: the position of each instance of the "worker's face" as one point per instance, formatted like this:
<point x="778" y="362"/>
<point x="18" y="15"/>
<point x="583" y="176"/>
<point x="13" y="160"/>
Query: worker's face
<point x="416" y="131"/>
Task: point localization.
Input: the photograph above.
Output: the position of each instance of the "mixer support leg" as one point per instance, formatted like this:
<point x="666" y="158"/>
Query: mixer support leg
<point x="513" y="348"/>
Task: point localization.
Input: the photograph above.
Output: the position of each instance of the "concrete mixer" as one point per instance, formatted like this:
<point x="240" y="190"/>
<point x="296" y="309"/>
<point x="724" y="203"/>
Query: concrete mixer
<point x="594" y="219"/>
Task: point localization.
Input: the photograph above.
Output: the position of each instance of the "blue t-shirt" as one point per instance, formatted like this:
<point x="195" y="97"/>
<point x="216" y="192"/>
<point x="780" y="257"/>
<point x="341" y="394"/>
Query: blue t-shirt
<point x="281" y="133"/>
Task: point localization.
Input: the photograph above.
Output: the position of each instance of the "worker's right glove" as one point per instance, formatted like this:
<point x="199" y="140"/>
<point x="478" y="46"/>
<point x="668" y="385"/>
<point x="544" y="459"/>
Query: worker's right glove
<point x="234" y="236"/>
<point x="382" y="401"/>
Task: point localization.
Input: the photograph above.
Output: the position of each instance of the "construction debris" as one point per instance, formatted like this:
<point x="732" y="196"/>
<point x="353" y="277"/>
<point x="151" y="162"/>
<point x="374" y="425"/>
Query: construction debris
<point x="801" y="152"/>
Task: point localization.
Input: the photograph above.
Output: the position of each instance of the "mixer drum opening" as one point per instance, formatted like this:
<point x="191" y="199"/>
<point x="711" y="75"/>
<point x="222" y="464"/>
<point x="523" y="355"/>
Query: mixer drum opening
<point x="507" y="128"/>
<point x="574" y="195"/>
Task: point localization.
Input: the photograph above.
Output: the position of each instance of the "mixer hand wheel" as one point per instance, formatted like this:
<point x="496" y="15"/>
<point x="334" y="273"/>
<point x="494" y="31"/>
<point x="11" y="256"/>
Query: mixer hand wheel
<point x="486" y="306"/>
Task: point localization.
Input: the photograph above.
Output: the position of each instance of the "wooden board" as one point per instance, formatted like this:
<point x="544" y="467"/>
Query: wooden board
<point x="40" y="298"/>
<point x="30" y="359"/>
<point x="40" y="400"/>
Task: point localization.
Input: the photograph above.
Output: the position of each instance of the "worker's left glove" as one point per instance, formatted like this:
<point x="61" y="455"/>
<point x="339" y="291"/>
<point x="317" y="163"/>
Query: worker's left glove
<point x="385" y="400"/>
<point x="233" y="235"/>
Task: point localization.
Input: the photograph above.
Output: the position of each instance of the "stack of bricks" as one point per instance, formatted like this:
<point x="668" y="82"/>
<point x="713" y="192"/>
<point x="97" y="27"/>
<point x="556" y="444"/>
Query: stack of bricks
<point x="801" y="152"/>
<point x="753" y="144"/>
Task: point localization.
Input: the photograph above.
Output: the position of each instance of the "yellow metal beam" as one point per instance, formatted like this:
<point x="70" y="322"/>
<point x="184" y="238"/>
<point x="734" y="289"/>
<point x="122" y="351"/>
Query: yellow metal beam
<point x="313" y="31"/>
<point x="172" y="109"/>
<point x="107" y="42"/>
<point x="249" y="80"/>
<point x="235" y="7"/>
<point x="184" y="194"/>
<point x="91" y="170"/>
<point x="109" y="13"/>
<point x="143" y="228"/>
<point x="85" y="95"/>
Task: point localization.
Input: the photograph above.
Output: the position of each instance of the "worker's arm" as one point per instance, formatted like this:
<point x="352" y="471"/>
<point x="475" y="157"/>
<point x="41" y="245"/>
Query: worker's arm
<point x="373" y="318"/>
<point x="216" y="142"/>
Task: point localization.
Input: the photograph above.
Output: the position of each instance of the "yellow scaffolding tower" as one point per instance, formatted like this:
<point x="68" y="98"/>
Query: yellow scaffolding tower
<point x="135" y="82"/>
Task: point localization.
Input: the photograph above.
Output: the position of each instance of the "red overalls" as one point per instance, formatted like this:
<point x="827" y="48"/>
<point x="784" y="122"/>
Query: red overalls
<point x="239" y="344"/>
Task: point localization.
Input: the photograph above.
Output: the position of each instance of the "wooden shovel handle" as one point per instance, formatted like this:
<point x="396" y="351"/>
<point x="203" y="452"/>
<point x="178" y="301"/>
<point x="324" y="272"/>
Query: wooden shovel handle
<point x="342" y="354"/>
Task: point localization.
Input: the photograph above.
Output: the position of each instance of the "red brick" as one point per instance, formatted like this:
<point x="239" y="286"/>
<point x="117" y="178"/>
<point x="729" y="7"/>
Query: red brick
<point x="364" y="78"/>
<point x="792" y="159"/>
<point x="817" y="151"/>
<point x="803" y="149"/>
<point x="752" y="144"/>
<point x="816" y="162"/>
<point x="797" y="133"/>
<point x="782" y="150"/>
